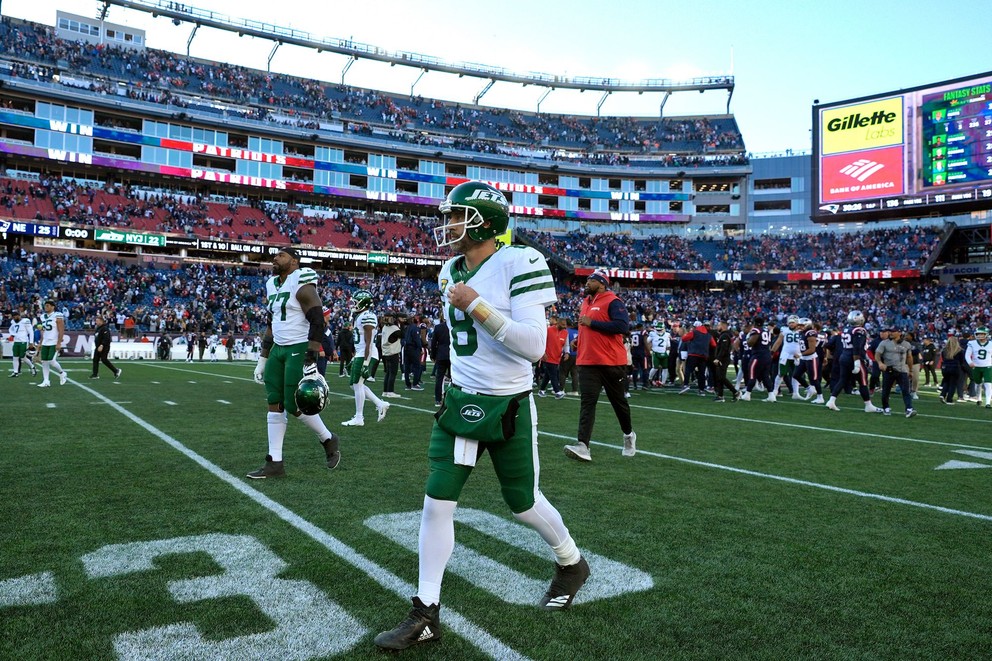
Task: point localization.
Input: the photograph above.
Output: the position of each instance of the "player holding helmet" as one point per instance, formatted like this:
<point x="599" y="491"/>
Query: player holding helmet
<point x="494" y="300"/>
<point x="288" y="362"/>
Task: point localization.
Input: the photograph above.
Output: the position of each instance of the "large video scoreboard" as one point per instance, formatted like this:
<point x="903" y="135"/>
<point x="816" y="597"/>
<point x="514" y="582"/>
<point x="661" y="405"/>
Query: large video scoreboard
<point x="904" y="154"/>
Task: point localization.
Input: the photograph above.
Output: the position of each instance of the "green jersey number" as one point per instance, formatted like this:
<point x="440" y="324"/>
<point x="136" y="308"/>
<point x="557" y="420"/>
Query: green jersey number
<point x="464" y="337"/>
<point x="280" y="299"/>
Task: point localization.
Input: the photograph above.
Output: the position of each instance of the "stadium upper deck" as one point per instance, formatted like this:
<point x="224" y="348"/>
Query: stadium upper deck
<point x="309" y="103"/>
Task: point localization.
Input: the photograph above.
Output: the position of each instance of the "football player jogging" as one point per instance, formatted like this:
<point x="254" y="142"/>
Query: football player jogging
<point x="659" y="342"/>
<point x="809" y="363"/>
<point x="979" y="357"/>
<point x="288" y="362"/>
<point x="365" y="360"/>
<point x="21" y="334"/>
<point x="494" y="301"/>
<point x="790" y="353"/>
<point x="52" y="335"/>
<point x="853" y="360"/>
<point x="758" y="339"/>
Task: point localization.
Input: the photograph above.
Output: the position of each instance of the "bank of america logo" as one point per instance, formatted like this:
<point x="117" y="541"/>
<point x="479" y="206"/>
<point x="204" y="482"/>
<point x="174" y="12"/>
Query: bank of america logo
<point x="861" y="169"/>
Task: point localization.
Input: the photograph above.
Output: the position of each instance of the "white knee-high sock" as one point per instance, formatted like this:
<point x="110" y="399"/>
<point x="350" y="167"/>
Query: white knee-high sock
<point x="437" y="541"/>
<point x="546" y="520"/>
<point x="56" y="367"/>
<point x="987" y="387"/>
<point x="359" y="389"/>
<point x="277" y="432"/>
<point x="45" y="371"/>
<point x="316" y="425"/>
<point x="371" y="395"/>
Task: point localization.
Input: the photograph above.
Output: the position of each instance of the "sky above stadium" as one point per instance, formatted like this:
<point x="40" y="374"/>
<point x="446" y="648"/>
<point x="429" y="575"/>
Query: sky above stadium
<point x="783" y="55"/>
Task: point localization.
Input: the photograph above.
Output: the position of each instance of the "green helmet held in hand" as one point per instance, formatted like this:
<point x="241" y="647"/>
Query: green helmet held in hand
<point x="311" y="394"/>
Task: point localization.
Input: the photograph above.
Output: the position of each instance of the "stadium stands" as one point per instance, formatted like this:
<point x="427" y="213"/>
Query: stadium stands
<point x="169" y="298"/>
<point x="907" y="247"/>
<point x="171" y="79"/>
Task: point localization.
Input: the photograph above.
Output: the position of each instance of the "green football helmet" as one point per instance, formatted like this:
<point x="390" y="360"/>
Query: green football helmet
<point x="982" y="334"/>
<point x="473" y="208"/>
<point x="311" y="394"/>
<point x="362" y="300"/>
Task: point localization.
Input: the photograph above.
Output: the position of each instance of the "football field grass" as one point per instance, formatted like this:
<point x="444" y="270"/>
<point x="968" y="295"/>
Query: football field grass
<point x="739" y="531"/>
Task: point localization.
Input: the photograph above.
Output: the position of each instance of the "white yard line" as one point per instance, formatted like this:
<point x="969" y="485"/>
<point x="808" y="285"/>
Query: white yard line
<point x="482" y="639"/>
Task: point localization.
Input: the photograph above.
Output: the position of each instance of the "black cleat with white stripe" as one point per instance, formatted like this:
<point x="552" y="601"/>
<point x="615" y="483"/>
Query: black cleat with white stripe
<point x="422" y="625"/>
<point x="565" y="584"/>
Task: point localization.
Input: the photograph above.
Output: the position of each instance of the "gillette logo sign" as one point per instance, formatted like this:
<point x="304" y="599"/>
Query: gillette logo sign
<point x="857" y="120"/>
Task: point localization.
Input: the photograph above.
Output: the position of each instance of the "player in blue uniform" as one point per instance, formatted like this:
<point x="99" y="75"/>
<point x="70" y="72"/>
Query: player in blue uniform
<point x="853" y="360"/>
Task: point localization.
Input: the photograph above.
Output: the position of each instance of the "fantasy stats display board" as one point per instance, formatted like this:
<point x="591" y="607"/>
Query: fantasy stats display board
<point x="906" y="154"/>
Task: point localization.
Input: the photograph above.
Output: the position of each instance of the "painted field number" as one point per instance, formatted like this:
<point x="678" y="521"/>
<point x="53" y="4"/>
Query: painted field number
<point x="609" y="577"/>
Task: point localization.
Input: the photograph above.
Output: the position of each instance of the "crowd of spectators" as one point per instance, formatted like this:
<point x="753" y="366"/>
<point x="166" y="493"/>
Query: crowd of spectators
<point x="167" y="78"/>
<point x="205" y="297"/>
<point x="188" y="213"/>
<point x="907" y="247"/>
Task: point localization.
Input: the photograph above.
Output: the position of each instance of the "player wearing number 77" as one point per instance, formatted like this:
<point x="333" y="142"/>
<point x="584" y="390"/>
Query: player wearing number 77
<point x="494" y="301"/>
<point x="288" y="362"/>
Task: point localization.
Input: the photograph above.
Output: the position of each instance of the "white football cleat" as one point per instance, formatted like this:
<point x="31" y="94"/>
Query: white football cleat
<point x="746" y="396"/>
<point x="354" y="422"/>
<point x="381" y="411"/>
<point x="63" y="377"/>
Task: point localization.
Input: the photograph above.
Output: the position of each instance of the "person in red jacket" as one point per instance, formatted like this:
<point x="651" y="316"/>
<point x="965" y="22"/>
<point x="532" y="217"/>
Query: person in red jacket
<point x="698" y="343"/>
<point x="557" y="336"/>
<point x="602" y="363"/>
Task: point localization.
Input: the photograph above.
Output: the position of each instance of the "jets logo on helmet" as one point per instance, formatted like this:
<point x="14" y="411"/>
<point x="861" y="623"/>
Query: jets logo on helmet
<point x="982" y="334"/>
<point x="311" y="394"/>
<point x="856" y="318"/>
<point x="362" y="300"/>
<point x="472" y="209"/>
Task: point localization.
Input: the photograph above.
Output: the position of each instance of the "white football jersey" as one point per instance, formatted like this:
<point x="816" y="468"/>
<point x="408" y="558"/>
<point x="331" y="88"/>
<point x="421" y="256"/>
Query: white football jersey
<point x="21" y="330"/>
<point x="661" y="341"/>
<point x="513" y="278"/>
<point x="289" y="322"/>
<point x="978" y="354"/>
<point x="364" y="319"/>
<point x="791" y="344"/>
<point x="50" y="328"/>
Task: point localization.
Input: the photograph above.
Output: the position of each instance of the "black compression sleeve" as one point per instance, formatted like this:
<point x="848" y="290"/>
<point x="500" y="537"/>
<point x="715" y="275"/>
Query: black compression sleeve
<point x="315" y="316"/>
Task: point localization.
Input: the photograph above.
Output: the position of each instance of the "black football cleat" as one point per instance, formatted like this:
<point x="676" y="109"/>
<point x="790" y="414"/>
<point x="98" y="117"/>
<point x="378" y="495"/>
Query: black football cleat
<point x="565" y="584"/>
<point x="331" y="451"/>
<point x="270" y="469"/>
<point x="422" y="625"/>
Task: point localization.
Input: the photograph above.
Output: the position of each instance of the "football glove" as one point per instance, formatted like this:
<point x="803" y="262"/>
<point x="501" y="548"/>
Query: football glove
<point x="260" y="370"/>
<point x="365" y="372"/>
<point x="857" y="367"/>
<point x="310" y="363"/>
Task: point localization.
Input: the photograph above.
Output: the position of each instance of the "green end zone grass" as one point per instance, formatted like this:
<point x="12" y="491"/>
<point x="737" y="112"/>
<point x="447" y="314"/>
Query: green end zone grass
<point x="766" y="531"/>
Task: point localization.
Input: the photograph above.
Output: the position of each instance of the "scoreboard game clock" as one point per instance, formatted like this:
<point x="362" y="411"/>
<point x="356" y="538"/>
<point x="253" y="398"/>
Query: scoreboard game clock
<point x="905" y="154"/>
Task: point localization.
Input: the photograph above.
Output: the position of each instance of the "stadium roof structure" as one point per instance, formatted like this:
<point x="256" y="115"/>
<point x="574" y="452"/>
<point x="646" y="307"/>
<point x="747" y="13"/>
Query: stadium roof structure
<point x="179" y="11"/>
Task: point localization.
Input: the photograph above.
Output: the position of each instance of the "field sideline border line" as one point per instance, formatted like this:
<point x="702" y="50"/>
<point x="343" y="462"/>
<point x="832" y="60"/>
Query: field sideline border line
<point x="483" y="640"/>
<point x="751" y="473"/>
